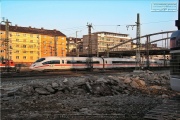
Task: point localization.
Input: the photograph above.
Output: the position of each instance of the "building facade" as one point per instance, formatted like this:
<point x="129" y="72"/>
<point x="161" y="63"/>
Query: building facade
<point x="27" y="44"/>
<point x="101" y="41"/>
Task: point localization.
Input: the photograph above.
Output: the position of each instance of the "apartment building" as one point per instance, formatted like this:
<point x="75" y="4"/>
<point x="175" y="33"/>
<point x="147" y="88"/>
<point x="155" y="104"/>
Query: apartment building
<point x="27" y="44"/>
<point x="102" y="40"/>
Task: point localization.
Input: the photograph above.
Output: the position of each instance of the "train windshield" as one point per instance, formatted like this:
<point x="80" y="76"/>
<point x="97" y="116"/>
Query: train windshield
<point x="175" y="63"/>
<point x="39" y="60"/>
<point x="175" y="53"/>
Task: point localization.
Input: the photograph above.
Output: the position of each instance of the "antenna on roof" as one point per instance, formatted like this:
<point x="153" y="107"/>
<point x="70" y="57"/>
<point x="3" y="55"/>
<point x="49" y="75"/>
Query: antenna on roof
<point x="3" y="18"/>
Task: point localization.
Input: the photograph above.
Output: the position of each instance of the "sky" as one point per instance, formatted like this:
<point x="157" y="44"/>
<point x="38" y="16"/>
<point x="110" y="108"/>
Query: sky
<point x="69" y="16"/>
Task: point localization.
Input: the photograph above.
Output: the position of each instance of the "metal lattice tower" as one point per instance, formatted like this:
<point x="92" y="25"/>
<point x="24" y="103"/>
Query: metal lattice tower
<point x="138" y="43"/>
<point x="6" y="43"/>
<point x="90" y="65"/>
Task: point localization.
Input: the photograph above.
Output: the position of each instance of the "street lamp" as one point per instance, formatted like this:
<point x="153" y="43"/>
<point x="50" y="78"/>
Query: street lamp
<point x="117" y="27"/>
<point x="76" y="44"/>
<point x="162" y="38"/>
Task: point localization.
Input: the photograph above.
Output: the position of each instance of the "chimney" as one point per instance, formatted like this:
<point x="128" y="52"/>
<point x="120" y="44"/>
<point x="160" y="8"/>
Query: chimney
<point x="16" y="26"/>
<point x="42" y="28"/>
<point x="54" y="30"/>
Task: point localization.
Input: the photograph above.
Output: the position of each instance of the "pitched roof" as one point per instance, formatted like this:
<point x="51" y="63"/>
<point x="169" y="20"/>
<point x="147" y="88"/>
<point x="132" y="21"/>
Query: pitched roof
<point x="29" y="29"/>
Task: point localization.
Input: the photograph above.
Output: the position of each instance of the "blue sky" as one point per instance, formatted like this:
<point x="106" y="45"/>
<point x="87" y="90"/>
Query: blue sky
<point x="69" y="16"/>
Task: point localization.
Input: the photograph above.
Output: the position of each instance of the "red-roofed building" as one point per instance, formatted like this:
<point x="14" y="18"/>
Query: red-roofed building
<point x="27" y="44"/>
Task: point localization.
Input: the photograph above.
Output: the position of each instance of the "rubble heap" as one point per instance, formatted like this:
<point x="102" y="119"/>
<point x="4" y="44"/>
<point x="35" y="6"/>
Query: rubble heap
<point x="147" y="83"/>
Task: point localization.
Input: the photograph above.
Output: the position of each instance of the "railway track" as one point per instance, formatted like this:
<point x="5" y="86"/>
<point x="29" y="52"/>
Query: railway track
<point x="58" y="73"/>
<point x="27" y="73"/>
<point x="169" y="110"/>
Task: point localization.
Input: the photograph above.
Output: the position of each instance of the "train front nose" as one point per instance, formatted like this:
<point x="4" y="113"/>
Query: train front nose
<point x="32" y="67"/>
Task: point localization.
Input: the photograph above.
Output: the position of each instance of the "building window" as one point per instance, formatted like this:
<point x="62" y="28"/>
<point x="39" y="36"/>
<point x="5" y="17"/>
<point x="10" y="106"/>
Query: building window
<point x="31" y="52"/>
<point x="24" y="35"/>
<point x="31" y="41"/>
<point x="24" y="57"/>
<point x="17" y="34"/>
<point x="24" y="46"/>
<point x="17" y="40"/>
<point x="31" y="35"/>
<point x="17" y="45"/>
<point x="2" y="32"/>
<point x="31" y="46"/>
<point x="31" y="57"/>
<point x="17" y="57"/>
<point x="24" y="40"/>
<point x="24" y="51"/>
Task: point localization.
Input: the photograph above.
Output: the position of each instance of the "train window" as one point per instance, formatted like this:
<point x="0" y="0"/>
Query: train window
<point x="123" y="61"/>
<point x="47" y="62"/>
<point x="116" y="61"/>
<point x="78" y="62"/>
<point x="52" y="62"/>
<point x="62" y="61"/>
<point x="40" y="60"/>
<point x="69" y="62"/>
<point x="97" y="62"/>
<point x="55" y="62"/>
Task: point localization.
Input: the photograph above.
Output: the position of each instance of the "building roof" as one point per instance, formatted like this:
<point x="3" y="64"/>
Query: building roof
<point x="29" y="29"/>
<point x="109" y="33"/>
<point x="74" y="39"/>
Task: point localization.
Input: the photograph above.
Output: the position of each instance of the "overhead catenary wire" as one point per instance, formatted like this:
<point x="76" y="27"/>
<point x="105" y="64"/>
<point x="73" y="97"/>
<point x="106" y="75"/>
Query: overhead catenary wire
<point x="141" y="23"/>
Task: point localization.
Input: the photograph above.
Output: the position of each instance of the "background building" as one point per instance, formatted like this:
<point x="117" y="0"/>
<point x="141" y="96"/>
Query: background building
<point x="27" y="44"/>
<point x="74" y="46"/>
<point x="102" y="40"/>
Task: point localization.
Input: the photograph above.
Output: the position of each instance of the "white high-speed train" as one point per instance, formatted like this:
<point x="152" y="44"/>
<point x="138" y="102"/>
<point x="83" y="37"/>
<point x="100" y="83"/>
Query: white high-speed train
<point x="69" y="63"/>
<point x="175" y="61"/>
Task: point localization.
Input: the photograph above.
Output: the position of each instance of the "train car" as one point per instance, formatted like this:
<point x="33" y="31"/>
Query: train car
<point x="70" y="63"/>
<point x="5" y="64"/>
<point x="65" y="63"/>
<point x="175" y="61"/>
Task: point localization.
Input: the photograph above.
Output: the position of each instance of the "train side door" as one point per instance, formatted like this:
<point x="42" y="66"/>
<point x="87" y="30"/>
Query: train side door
<point x="63" y="62"/>
<point x="105" y="63"/>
